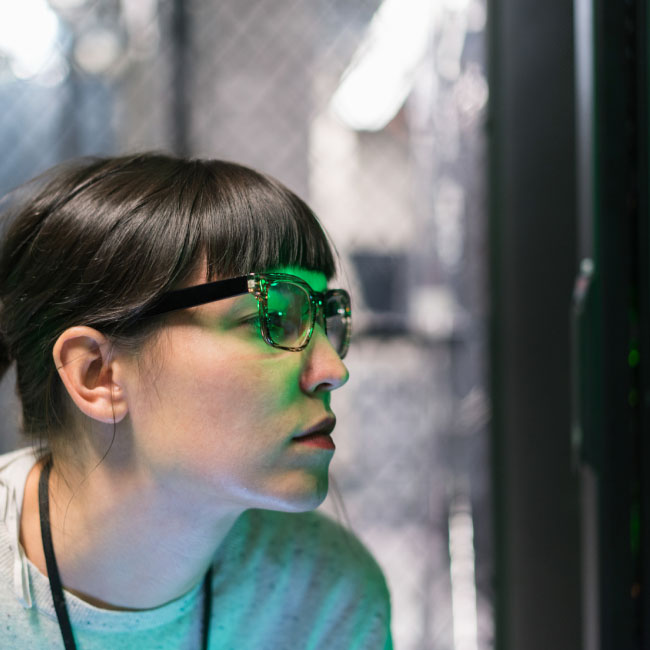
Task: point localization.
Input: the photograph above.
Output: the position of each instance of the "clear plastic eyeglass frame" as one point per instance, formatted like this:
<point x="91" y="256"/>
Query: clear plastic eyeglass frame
<point x="258" y="284"/>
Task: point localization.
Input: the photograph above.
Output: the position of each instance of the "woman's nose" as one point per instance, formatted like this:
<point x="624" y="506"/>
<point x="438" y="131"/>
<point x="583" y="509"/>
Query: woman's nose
<point x="324" y="369"/>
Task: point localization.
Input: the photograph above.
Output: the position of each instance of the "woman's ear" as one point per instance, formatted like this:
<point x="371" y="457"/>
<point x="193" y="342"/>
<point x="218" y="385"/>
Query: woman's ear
<point x="91" y="376"/>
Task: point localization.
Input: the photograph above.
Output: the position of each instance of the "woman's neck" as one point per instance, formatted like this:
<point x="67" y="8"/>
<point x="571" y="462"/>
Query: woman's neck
<point x="120" y="540"/>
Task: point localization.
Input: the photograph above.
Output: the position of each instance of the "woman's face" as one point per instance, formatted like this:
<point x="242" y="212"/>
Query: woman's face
<point x="215" y="408"/>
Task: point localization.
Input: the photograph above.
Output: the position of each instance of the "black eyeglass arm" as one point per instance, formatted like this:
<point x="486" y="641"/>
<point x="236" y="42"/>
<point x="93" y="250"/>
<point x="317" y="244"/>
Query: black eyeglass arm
<point x="199" y="295"/>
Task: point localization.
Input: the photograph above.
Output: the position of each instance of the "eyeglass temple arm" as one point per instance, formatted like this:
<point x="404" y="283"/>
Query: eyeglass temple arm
<point x="198" y="295"/>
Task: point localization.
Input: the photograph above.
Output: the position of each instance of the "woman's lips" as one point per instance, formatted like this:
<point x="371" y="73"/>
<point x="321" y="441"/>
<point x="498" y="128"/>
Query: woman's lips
<point x="323" y="428"/>
<point x="318" y="435"/>
<point x="321" y="440"/>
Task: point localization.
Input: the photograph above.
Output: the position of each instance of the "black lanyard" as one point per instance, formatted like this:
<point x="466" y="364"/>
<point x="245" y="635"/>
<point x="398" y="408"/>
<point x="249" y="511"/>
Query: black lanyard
<point x="55" y="580"/>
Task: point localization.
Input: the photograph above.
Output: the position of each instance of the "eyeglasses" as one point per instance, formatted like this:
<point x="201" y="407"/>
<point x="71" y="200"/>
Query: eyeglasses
<point x="288" y="308"/>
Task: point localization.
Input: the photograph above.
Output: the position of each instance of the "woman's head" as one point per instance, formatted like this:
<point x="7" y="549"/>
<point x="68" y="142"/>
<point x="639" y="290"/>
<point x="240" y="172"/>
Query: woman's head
<point x="96" y="242"/>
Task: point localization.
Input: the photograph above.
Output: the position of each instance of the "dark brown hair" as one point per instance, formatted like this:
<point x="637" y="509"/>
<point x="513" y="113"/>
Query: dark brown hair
<point x="95" y="241"/>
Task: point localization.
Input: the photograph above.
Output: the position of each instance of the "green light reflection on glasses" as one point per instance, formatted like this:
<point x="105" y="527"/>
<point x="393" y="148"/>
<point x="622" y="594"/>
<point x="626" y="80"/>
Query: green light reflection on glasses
<point x="287" y="305"/>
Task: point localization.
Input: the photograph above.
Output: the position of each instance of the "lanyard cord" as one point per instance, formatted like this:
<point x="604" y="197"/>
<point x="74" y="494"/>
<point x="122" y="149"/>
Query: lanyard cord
<point x="55" y="580"/>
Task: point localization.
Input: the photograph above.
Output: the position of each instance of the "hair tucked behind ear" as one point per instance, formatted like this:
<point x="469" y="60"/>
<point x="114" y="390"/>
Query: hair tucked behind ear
<point x="96" y="241"/>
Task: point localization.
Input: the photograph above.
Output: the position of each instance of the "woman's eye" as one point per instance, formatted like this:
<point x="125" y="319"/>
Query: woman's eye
<point x="251" y="321"/>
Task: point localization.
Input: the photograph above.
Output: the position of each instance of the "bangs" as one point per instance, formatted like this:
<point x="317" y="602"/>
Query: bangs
<point x="248" y="222"/>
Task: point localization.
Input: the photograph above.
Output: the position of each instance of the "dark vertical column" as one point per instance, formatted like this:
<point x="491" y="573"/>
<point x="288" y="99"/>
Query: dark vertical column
<point x="643" y="53"/>
<point x="180" y="89"/>
<point x="620" y="214"/>
<point x="533" y="243"/>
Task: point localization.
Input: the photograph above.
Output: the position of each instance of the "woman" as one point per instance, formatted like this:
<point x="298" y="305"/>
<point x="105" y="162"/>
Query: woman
<point x="176" y="348"/>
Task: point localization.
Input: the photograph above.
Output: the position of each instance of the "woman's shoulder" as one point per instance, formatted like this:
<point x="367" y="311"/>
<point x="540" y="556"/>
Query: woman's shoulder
<point x="306" y="577"/>
<point x="14" y="468"/>
<point x="308" y="542"/>
<point x="11" y="459"/>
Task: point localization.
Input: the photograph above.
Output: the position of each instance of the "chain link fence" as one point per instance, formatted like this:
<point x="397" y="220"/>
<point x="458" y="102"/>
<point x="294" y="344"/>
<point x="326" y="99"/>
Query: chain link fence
<point x="374" y="113"/>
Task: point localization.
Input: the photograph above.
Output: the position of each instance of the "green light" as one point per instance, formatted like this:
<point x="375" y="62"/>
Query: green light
<point x="633" y="358"/>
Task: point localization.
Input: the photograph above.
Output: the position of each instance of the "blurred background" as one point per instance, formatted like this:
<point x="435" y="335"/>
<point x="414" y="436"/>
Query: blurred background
<point x="373" y="111"/>
<point x="490" y="449"/>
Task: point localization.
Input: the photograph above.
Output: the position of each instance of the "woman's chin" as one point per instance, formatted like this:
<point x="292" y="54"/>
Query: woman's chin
<point x="307" y="496"/>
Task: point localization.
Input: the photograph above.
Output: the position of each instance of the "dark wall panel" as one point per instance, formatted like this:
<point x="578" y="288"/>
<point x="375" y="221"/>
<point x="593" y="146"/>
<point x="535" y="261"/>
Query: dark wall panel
<point x="533" y="238"/>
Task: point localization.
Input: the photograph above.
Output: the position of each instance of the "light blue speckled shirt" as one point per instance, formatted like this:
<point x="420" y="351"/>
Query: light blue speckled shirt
<point x="281" y="580"/>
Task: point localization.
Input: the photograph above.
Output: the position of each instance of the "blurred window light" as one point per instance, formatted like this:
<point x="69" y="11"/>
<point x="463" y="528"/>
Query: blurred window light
<point x="471" y="92"/>
<point x="476" y="17"/>
<point x="381" y="75"/>
<point x="448" y="214"/>
<point x="140" y="13"/>
<point x="97" y="50"/>
<point x="28" y="35"/>
<point x="457" y="5"/>
<point x="141" y="23"/>
<point x="452" y="41"/>
<point x="65" y="5"/>
<point x="463" y="582"/>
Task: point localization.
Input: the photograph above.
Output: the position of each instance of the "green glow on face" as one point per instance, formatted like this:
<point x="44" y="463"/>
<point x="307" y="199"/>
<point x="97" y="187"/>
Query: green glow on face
<point x="315" y="279"/>
<point x="318" y="282"/>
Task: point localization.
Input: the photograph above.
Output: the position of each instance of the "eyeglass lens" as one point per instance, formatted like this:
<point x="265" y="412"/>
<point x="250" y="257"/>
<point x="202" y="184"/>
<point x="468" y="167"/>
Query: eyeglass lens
<point x="289" y="316"/>
<point x="336" y="322"/>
